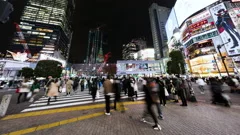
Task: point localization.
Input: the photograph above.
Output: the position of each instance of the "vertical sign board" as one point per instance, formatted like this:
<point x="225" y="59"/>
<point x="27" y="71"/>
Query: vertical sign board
<point x="226" y="29"/>
<point x="4" y="104"/>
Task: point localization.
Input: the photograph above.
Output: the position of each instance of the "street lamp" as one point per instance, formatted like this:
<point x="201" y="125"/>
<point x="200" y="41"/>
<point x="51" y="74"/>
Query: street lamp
<point x="223" y="58"/>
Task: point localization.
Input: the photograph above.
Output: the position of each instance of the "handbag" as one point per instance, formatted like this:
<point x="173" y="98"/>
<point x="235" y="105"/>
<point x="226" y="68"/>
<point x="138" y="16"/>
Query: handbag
<point x="36" y="90"/>
<point x="166" y="92"/>
<point x="173" y="90"/>
<point x="29" y="95"/>
<point x="17" y="90"/>
<point x="97" y="95"/>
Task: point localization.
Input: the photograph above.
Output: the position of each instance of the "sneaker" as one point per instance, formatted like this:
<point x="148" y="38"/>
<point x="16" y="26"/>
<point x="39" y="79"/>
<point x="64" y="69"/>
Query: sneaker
<point x="107" y="114"/>
<point x="143" y="120"/>
<point x="157" y="127"/>
<point x="161" y="117"/>
<point x="202" y="92"/>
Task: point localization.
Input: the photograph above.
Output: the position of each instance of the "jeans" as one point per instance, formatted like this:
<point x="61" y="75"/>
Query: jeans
<point x="19" y="96"/>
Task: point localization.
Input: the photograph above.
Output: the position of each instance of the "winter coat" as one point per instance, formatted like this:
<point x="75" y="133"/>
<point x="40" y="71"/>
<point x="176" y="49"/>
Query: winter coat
<point x="69" y="85"/>
<point x="53" y="90"/>
<point x="25" y="87"/>
<point x="108" y="87"/>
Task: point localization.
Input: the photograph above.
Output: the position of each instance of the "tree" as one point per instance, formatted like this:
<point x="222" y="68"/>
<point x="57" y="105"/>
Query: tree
<point x="47" y="68"/>
<point x="176" y="64"/>
<point x="27" y="72"/>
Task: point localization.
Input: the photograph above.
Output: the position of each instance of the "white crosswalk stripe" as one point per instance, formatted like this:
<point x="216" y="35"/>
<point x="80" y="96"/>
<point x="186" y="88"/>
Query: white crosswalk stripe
<point x="80" y="98"/>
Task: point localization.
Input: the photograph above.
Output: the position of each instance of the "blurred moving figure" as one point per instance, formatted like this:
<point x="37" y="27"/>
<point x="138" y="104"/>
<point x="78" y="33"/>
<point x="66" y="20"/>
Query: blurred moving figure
<point x="151" y="97"/>
<point x="217" y="93"/>
<point x="34" y="89"/>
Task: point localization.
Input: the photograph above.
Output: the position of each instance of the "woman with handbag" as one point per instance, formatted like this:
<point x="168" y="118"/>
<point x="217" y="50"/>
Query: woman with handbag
<point x="24" y="89"/>
<point x="34" y="89"/>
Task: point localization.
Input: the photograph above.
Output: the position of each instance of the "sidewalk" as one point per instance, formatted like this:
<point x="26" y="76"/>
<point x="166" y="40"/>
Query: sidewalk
<point x="196" y="119"/>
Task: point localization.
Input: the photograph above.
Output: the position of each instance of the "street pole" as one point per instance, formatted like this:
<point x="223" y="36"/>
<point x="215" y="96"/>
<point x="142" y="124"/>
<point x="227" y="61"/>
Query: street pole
<point x="222" y="58"/>
<point x="217" y="65"/>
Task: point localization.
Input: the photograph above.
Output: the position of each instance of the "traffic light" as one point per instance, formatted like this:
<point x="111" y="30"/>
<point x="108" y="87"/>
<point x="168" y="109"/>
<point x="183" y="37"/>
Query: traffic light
<point x="6" y="9"/>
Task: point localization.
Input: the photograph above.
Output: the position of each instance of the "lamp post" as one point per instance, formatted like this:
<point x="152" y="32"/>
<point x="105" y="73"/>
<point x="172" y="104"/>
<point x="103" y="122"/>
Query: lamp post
<point x="223" y="58"/>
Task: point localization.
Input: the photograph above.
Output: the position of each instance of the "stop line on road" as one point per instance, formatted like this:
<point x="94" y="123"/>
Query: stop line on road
<point x="80" y="98"/>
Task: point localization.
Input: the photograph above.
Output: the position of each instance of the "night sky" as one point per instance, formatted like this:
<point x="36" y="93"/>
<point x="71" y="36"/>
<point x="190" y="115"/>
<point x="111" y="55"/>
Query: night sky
<point x="123" y="21"/>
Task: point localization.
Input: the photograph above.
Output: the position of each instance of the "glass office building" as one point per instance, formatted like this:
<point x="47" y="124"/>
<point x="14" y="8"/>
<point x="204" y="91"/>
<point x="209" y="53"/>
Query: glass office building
<point x="46" y="27"/>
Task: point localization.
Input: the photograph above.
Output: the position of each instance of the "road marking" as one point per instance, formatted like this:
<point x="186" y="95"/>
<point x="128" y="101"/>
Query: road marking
<point x="55" y="124"/>
<point x="54" y="105"/>
<point x="69" y="109"/>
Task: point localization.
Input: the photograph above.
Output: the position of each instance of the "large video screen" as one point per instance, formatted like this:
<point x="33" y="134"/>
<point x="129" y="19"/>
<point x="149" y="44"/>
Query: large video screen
<point x="171" y="24"/>
<point x="185" y="8"/>
<point x="137" y="67"/>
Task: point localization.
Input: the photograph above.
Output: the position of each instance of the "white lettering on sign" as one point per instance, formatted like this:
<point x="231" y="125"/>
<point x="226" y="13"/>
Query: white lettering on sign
<point x="4" y="104"/>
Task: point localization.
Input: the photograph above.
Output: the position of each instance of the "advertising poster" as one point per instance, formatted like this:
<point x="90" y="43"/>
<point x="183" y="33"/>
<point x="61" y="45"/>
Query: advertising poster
<point x="137" y="67"/>
<point x="226" y="29"/>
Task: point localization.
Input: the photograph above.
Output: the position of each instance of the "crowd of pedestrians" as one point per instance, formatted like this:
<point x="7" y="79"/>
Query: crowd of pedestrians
<point x="156" y="90"/>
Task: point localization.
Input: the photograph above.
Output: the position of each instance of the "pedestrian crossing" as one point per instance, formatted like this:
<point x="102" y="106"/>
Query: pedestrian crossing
<point x="79" y="98"/>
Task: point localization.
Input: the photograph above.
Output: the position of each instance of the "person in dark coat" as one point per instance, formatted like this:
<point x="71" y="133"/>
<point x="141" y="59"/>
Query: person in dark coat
<point x="182" y="91"/>
<point x="75" y="84"/>
<point x="149" y="102"/>
<point x="217" y="96"/>
<point x="94" y="88"/>
<point x="161" y="93"/>
<point x="117" y="90"/>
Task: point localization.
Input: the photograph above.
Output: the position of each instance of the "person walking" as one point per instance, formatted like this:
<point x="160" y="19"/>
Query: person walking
<point x="161" y="91"/>
<point x="69" y="86"/>
<point x="117" y="91"/>
<point x="34" y="89"/>
<point x="107" y="85"/>
<point x="75" y="84"/>
<point x="94" y="88"/>
<point x="46" y="87"/>
<point x="201" y="84"/>
<point x="53" y="90"/>
<point x="24" y="89"/>
<point x="82" y="84"/>
<point x="182" y="92"/>
<point x="149" y="102"/>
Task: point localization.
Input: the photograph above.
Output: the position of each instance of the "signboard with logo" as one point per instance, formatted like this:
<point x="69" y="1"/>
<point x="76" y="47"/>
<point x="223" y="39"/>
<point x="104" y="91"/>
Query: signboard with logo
<point x="226" y="29"/>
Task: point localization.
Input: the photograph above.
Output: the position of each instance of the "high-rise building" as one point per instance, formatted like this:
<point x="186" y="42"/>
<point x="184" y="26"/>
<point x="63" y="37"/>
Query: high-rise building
<point x="158" y="18"/>
<point x="45" y="27"/>
<point x="133" y="47"/>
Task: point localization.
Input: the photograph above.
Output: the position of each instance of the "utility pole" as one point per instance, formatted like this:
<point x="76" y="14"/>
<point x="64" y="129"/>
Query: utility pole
<point x="223" y="58"/>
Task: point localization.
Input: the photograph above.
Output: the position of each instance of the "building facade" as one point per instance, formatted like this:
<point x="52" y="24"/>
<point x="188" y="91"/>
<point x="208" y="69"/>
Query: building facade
<point x="158" y="18"/>
<point x="133" y="47"/>
<point x="202" y="30"/>
<point x="45" y="27"/>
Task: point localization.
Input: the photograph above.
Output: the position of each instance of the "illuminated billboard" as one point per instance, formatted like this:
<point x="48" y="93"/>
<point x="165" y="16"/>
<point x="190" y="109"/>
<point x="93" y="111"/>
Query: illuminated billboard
<point x="207" y="64"/>
<point x="226" y="29"/>
<point x="138" y="67"/>
<point x="171" y="24"/>
<point x="185" y="8"/>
